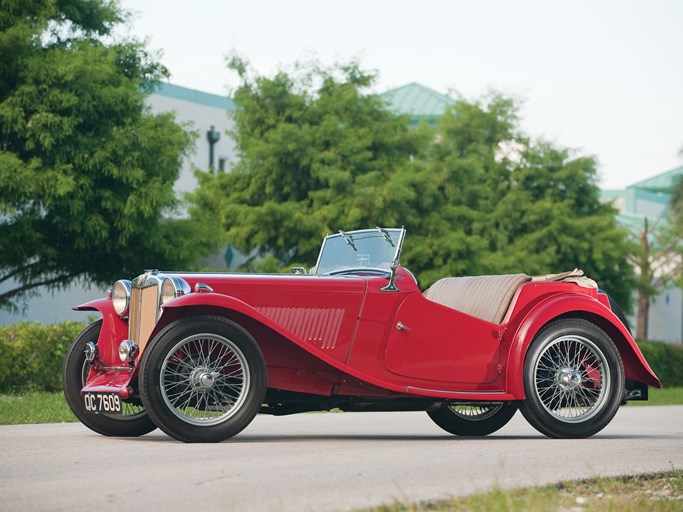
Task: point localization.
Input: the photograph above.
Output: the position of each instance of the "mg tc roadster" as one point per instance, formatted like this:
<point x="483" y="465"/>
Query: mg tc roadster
<point x="198" y="355"/>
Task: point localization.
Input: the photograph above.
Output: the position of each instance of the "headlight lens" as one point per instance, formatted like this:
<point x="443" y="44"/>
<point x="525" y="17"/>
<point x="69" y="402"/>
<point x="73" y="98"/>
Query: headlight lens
<point x="173" y="287"/>
<point x="120" y="297"/>
<point x="127" y="351"/>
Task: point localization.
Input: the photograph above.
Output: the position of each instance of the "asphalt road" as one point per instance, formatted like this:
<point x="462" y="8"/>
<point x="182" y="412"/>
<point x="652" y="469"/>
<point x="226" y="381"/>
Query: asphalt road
<point x="316" y="462"/>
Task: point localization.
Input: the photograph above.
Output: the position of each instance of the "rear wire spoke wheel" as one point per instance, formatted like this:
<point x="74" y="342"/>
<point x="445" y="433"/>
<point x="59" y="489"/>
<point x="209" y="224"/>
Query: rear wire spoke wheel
<point x="463" y="419"/>
<point x="573" y="379"/>
<point x="203" y="379"/>
<point x="132" y="422"/>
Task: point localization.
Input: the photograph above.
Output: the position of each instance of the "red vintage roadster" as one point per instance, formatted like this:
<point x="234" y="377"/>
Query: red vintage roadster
<point x="199" y="355"/>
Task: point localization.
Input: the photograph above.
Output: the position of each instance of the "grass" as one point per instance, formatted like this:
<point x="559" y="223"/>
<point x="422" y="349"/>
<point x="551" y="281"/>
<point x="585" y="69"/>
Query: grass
<point x="44" y="407"/>
<point x="663" y="396"/>
<point x="34" y="407"/>
<point x="661" y="492"/>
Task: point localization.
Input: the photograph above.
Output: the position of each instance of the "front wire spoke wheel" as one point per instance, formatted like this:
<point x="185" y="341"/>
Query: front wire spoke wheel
<point x="133" y="420"/>
<point x="203" y="379"/>
<point x="208" y="390"/>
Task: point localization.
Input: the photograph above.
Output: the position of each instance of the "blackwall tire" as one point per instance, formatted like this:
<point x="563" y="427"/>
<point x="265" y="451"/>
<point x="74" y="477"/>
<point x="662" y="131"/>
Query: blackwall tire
<point x="473" y="420"/>
<point x="132" y="423"/>
<point x="203" y="379"/>
<point x="573" y="379"/>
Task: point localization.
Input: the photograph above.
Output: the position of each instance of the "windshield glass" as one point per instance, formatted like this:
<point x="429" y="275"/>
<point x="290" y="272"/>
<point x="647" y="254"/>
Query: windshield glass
<point x="366" y="248"/>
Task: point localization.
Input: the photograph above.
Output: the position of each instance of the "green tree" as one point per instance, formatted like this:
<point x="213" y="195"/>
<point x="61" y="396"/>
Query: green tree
<point x="86" y="171"/>
<point x="319" y="153"/>
<point x="506" y="203"/>
<point x="316" y="153"/>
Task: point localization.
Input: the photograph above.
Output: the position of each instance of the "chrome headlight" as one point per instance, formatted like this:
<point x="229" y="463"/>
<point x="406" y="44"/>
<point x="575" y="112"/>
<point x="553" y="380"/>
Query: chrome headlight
<point x="120" y="297"/>
<point x="173" y="287"/>
<point x="127" y="351"/>
<point x="90" y="351"/>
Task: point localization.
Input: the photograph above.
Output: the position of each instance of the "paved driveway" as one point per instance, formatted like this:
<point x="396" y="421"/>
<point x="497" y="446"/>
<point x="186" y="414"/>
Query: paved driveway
<point x="315" y="462"/>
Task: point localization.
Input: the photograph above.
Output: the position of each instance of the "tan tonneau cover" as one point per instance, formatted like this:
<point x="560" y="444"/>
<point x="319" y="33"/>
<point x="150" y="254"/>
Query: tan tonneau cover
<point x="485" y="297"/>
<point x="488" y="297"/>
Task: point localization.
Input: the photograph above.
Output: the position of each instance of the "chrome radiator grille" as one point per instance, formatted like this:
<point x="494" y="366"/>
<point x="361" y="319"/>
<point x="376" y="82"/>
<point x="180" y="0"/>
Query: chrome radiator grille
<point x="144" y="310"/>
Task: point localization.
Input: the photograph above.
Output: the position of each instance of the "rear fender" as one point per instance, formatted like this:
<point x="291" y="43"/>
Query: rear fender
<point x="577" y="306"/>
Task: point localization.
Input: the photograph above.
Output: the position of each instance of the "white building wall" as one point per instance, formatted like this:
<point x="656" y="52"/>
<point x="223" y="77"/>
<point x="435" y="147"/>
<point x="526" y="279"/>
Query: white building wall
<point x="666" y="316"/>
<point x="199" y="118"/>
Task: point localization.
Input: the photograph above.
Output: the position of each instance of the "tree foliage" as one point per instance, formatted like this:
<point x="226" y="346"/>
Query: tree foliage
<point x="86" y="172"/>
<point x="318" y="153"/>
<point x="508" y="204"/>
<point x="315" y="153"/>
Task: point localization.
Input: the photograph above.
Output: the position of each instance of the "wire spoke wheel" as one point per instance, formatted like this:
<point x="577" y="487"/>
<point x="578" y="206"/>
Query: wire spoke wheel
<point x="133" y="420"/>
<point x="475" y="412"/>
<point x="573" y="379"/>
<point x="204" y="379"/>
<point x="473" y="419"/>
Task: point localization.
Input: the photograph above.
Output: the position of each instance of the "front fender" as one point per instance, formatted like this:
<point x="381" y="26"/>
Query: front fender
<point x="114" y="330"/>
<point x="173" y="310"/>
<point x="580" y="306"/>
<point x="177" y="308"/>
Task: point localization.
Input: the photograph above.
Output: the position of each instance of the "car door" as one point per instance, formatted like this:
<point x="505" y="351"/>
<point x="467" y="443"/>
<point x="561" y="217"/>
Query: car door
<point x="433" y="342"/>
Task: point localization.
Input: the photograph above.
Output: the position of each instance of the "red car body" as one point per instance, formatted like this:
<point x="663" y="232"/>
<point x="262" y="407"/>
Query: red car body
<point x="347" y="341"/>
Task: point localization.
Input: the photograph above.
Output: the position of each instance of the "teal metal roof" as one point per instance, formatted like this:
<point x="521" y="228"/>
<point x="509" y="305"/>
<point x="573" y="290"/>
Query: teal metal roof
<point x="194" y="96"/>
<point x="664" y="182"/>
<point x="612" y="194"/>
<point x="417" y="101"/>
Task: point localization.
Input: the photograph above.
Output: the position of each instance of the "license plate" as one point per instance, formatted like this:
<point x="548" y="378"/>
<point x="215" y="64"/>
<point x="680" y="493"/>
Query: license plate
<point x="108" y="403"/>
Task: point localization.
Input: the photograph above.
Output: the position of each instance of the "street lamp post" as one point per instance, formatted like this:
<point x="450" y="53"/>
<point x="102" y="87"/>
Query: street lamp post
<point x="212" y="136"/>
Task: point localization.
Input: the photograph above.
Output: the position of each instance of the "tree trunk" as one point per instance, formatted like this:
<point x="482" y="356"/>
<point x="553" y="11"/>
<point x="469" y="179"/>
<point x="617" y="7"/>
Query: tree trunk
<point x="643" y="315"/>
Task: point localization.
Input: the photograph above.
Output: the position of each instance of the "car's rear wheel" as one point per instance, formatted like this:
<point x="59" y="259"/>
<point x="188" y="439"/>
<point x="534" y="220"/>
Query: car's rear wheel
<point x="463" y="419"/>
<point x="133" y="421"/>
<point x="573" y="379"/>
<point x="203" y="379"/>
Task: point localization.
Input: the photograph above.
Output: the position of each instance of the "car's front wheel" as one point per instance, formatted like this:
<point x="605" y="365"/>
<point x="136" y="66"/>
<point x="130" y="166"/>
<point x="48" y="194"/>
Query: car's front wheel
<point x="462" y="419"/>
<point x="133" y="421"/>
<point x="573" y="379"/>
<point x="203" y="379"/>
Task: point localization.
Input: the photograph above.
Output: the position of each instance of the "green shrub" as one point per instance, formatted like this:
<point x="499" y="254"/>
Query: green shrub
<point x="31" y="355"/>
<point x="666" y="360"/>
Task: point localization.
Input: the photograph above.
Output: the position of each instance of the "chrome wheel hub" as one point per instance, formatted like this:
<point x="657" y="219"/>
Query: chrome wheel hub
<point x="202" y="380"/>
<point x="568" y="378"/>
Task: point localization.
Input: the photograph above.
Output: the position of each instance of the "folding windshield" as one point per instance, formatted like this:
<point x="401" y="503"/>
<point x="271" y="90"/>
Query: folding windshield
<point x="366" y="248"/>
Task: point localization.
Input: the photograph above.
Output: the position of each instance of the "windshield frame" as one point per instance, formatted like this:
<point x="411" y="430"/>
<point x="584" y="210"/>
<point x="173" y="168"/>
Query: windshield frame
<point x="360" y="234"/>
